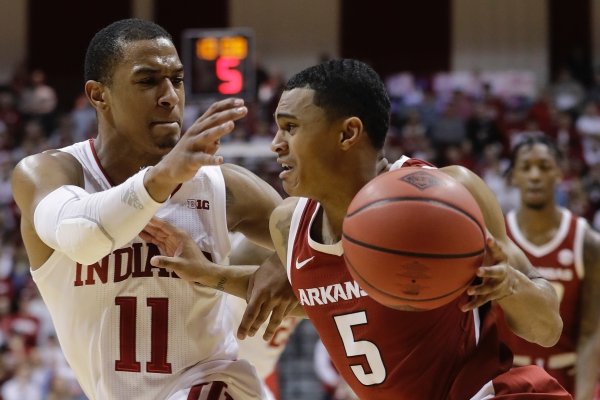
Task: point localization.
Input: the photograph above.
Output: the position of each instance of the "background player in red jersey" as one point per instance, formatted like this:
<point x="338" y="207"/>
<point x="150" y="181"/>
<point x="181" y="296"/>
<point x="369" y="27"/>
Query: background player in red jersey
<point x="565" y="251"/>
<point x="332" y="120"/>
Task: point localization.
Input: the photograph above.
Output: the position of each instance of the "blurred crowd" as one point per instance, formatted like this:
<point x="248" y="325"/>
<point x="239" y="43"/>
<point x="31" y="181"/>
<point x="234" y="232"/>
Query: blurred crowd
<point x="476" y="130"/>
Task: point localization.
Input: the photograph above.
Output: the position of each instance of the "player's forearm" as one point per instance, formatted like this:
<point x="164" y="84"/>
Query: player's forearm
<point x="88" y="226"/>
<point x="232" y="279"/>
<point x="532" y="311"/>
<point x="586" y="368"/>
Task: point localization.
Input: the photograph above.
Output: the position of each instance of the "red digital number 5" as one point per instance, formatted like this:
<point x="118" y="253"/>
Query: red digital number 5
<point x="232" y="79"/>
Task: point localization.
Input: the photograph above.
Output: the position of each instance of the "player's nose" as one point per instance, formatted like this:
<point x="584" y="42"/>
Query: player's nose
<point x="278" y="144"/>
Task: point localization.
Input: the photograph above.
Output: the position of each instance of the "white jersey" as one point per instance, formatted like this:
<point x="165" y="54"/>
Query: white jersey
<point x="133" y="331"/>
<point x="263" y="354"/>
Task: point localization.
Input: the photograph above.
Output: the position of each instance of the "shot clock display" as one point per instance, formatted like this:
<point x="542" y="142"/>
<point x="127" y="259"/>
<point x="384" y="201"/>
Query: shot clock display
<point x="219" y="63"/>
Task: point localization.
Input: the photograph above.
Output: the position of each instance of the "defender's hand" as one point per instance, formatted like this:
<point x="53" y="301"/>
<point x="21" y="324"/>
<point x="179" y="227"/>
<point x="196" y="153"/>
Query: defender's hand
<point x="179" y="252"/>
<point x="269" y="293"/>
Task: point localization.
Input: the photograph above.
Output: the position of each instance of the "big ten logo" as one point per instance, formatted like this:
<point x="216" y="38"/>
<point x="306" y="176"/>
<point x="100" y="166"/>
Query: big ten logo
<point x="198" y="204"/>
<point x="283" y="332"/>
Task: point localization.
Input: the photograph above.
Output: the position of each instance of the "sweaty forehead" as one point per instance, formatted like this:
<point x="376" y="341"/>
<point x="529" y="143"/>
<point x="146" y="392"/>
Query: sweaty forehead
<point x="155" y="53"/>
<point x="297" y="102"/>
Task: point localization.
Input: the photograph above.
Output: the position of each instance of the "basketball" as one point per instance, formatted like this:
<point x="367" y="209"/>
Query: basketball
<point x="413" y="238"/>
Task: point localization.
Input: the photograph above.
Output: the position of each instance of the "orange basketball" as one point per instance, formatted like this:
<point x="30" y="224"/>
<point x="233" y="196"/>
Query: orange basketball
<point x="413" y="238"/>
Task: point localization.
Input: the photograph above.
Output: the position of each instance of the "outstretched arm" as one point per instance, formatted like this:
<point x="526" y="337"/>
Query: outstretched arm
<point x="529" y="302"/>
<point x="587" y="368"/>
<point x="58" y="214"/>
<point x="181" y="254"/>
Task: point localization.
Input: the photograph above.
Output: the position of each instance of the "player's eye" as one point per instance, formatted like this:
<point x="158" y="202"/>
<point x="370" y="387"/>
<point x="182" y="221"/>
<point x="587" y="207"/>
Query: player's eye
<point x="177" y="81"/>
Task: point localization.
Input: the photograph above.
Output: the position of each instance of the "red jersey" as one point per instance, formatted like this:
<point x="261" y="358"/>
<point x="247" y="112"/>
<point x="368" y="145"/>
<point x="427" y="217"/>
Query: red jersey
<point x="560" y="261"/>
<point x="386" y="354"/>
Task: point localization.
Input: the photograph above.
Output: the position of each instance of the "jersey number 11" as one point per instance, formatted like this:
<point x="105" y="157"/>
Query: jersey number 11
<point x="159" y="309"/>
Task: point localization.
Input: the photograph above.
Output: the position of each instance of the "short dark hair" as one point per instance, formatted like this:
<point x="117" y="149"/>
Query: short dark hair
<point x="346" y="87"/>
<point x="529" y="141"/>
<point x="106" y="47"/>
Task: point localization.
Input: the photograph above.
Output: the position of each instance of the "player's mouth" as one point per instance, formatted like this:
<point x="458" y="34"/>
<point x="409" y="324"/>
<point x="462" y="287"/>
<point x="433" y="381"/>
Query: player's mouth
<point x="287" y="169"/>
<point x="173" y="124"/>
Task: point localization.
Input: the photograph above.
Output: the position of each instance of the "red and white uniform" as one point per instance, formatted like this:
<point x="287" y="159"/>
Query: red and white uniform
<point x="384" y="353"/>
<point x="263" y="354"/>
<point x="132" y="331"/>
<point x="560" y="261"/>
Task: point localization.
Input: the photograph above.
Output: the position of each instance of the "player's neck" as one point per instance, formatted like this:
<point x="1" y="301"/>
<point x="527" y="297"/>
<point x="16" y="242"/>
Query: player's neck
<point x="330" y="225"/>
<point x="116" y="161"/>
<point x="337" y="197"/>
<point x="534" y="222"/>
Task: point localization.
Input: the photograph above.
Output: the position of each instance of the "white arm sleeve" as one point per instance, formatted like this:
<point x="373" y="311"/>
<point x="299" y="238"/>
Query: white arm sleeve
<point x="87" y="227"/>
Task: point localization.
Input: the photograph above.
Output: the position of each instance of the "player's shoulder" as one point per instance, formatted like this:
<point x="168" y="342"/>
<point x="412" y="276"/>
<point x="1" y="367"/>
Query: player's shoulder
<point x="592" y="240"/>
<point x="237" y="177"/>
<point x="405" y="161"/>
<point x="36" y="166"/>
<point x="285" y="210"/>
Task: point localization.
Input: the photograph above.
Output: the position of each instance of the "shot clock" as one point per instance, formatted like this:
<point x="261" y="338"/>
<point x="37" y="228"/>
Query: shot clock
<point x="219" y="63"/>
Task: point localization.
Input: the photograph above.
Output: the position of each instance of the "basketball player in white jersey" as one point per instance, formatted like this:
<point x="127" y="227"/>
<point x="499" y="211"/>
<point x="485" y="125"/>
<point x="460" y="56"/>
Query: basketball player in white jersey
<point x="129" y="330"/>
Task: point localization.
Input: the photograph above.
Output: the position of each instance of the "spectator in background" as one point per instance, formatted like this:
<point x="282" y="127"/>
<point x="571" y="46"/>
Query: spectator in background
<point x="593" y="92"/>
<point x="567" y="93"/>
<point x="482" y="129"/>
<point x="22" y="386"/>
<point x="10" y="115"/>
<point x="83" y="116"/>
<point x="565" y="135"/>
<point x="448" y="130"/>
<point x="588" y="128"/>
<point x="543" y="110"/>
<point x="39" y="101"/>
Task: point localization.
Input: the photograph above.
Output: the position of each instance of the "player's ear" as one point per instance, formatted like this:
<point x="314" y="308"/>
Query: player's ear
<point x="95" y="93"/>
<point x="352" y="130"/>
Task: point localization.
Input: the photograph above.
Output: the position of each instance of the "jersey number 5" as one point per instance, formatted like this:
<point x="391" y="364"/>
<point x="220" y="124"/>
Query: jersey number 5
<point x="159" y="309"/>
<point x="360" y="348"/>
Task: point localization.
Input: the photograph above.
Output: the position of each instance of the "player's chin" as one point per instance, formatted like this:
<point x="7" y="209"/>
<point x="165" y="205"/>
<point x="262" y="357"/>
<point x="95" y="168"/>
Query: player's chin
<point x="292" y="188"/>
<point x="534" y="204"/>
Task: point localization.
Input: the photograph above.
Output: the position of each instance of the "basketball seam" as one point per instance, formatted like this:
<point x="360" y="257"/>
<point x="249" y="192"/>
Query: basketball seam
<point x="396" y="297"/>
<point x="410" y="253"/>
<point x="416" y="198"/>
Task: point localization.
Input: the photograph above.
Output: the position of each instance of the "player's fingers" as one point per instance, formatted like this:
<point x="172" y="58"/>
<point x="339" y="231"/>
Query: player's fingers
<point x="482" y="290"/>
<point x="250" y="315"/>
<point x="276" y="317"/>
<point x="260" y="319"/>
<point x="492" y="271"/>
<point x="212" y="135"/>
<point x="474" y="302"/>
<point x="202" y="124"/>
<point x="165" y="262"/>
<point x="148" y="237"/>
<point x="471" y="305"/>
<point x="162" y="228"/>
<point x="222" y="105"/>
<point x="204" y="159"/>
<point x="290" y="307"/>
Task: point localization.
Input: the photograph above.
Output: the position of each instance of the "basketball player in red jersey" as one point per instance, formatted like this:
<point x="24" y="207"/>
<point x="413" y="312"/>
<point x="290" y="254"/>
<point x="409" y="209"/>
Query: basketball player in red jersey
<point x="565" y="251"/>
<point x="332" y="120"/>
